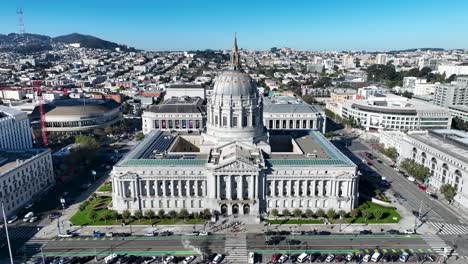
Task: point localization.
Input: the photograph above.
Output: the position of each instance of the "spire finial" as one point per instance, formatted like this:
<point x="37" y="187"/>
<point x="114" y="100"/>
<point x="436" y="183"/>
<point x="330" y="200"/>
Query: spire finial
<point x="235" y="57"/>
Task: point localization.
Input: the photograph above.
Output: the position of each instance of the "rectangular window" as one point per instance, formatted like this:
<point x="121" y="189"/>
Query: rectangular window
<point x="184" y="123"/>
<point x="197" y="124"/>
<point x="156" y="124"/>
<point x="190" y="124"/>
<point x="254" y="120"/>
<point x="170" y="124"/>
<point x="216" y="120"/>
<point x="244" y="121"/>
<point x="234" y="121"/>
<point x="225" y="121"/>
<point x="177" y="124"/>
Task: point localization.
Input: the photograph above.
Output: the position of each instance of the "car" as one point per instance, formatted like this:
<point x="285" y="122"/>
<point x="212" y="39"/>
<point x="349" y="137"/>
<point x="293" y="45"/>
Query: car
<point x="151" y="234"/>
<point x="189" y="259"/>
<point x="293" y="242"/>
<point x="379" y="161"/>
<point x="303" y="258"/>
<point x="314" y="257"/>
<point x="165" y="233"/>
<point x="339" y="258"/>
<point x="394" y="257"/>
<point x="386" y="258"/>
<point x="376" y="257"/>
<point x="429" y="258"/>
<point x="366" y="258"/>
<point x="422" y="187"/>
<point x="330" y="258"/>
<point x="28" y="206"/>
<point x="349" y="257"/>
<point x="168" y="259"/>
<point x="296" y="233"/>
<point x="411" y="179"/>
<point x="324" y="233"/>
<point x="365" y="232"/>
<point x="33" y="219"/>
<point x="203" y="233"/>
<point x="67" y="234"/>
<point x="283" y="258"/>
<point x="149" y="260"/>
<point x="409" y="231"/>
<point x="322" y="258"/>
<point x="393" y="232"/>
<point x="97" y="234"/>
<point x="370" y="163"/>
<point x="433" y="195"/>
<point x="194" y="233"/>
<point x="217" y="259"/>
<point x="404" y="257"/>
<point x="275" y="257"/>
<point x="55" y="215"/>
<point x="12" y="219"/>
<point x="109" y="234"/>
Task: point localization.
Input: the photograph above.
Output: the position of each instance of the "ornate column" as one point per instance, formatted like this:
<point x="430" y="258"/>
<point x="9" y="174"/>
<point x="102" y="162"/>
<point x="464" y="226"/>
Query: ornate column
<point x="229" y="187"/>
<point x="180" y="186"/>
<point x="251" y="187"/>
<point x="148" y="193"/>
<point x="241" y="187"/>
<point x="195" y="191"/>
<point x="273" y="183"/>
<point x="289" y="188"/>
<point x="164" y="188"/>
<point x="218" y="185"/>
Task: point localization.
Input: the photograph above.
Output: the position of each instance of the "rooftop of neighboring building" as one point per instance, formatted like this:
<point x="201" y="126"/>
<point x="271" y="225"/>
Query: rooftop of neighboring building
<point x="289" y="105"/>
<point x="6" y="111"/>
<point x="450" y="141"/>
<point x="185" y="86"/>
<point x="77" y="107"/>
<point x="11" y="159"/>
<point x="181" y="105"/>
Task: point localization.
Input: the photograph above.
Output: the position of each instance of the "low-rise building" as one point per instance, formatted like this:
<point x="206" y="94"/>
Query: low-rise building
<point x="24" y="175"/>
<point x="443" y="151"/>
<point x="391" y="112"/>
<point x="188" y="89"/>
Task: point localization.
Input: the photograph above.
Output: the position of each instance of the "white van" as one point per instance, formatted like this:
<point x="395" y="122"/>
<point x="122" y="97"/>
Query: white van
<point x="251" y="257"/>
<point x="110" y="258"/>
<point x="303" y="258"/>
<point x="376" y="257"/>
<point x="28" y="216"/>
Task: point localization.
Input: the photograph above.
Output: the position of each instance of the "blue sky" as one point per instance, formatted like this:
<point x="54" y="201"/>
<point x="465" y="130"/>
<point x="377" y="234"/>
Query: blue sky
<point x="197" y="24"/>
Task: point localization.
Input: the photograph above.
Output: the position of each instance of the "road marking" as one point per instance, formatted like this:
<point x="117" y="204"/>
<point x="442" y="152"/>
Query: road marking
<point x="394" y="251"/>
<point x="420" y="250"/>
<point x="103" y="238"/>
<point x="95" y="238"/>
<point x="106" y="253"/>
<point x="87" y="238"/>
<point x="111" y="238"/>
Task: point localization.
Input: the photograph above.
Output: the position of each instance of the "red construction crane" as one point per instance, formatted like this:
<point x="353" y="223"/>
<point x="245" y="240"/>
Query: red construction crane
<point x="37" y="88"/>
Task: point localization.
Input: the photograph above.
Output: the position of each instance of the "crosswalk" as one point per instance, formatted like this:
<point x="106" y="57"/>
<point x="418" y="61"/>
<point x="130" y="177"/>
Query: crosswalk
<point x="236" y="249"/>
<point x="449" y="229"/>
<point x="33" y="247"/>
<point x="19" y="233"/>
<point x="437" y="244"/>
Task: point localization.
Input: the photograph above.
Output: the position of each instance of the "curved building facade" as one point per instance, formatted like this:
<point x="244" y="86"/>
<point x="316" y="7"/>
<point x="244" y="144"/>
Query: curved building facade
<point x="77" y="115"/>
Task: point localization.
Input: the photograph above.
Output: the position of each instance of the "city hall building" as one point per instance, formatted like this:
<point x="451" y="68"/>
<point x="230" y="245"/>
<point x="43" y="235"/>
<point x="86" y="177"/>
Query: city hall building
<point x="235" y="165"/>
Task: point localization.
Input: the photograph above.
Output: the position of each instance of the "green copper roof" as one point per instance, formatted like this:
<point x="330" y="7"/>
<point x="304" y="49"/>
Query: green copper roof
<point x="164" y="162"/>
<point x="305" y="162"/>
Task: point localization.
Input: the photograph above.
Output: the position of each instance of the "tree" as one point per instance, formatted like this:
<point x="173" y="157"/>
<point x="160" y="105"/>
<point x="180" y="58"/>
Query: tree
<point x="138" y="214"/>
<point x="87" y="142"/>
<point x="418" y="171"/>
<point x="342" y="213"/>
<point x="126" y="215"/>
<point x="366" y="214"/>
<point x="331" y="214"/>
<point x="320" y="212"/>
<point x="172" y="214"/>
<point x="184" y="214"/>
<point x="286" y="212"/>
<point x="115" y="215"/>
<point x="309" y="99"/>
<point x="448" y="191"/>
<point x="206" y="213"/>
<point x="161" y="213"/>
<point x="106" y="216"/>
<point x="108" y="130"/>
<point x="150" y="214"/>
<point x="378" y="214"/>
<point x="82" y="207"/>
<point x="354" y="213"/>
<point x="297" y="212"/>
<point x="92" y="215"/>
<point x="140" y="136"/>
<point x="309" y="213"/>
<point x="274" y="212"/>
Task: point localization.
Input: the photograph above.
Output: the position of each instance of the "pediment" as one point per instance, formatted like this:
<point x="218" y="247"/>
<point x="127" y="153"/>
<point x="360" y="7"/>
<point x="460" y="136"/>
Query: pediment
<point x="236" y="165"/>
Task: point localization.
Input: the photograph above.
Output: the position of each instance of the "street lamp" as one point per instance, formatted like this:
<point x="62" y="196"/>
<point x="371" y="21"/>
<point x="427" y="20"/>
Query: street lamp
<point x="93" y="172"/>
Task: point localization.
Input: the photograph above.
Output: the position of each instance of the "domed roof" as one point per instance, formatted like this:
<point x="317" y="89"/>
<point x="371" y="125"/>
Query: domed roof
<point x="234" y="83"/>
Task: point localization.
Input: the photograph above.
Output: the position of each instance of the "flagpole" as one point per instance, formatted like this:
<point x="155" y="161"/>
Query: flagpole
<point x="6" y="231"/>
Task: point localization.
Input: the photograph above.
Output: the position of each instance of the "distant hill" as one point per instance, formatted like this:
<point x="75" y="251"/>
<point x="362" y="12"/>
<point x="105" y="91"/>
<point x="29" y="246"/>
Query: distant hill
<point x="90" y="42"/>
<point x="30" y="43"/>
<point x="413" y="50"/>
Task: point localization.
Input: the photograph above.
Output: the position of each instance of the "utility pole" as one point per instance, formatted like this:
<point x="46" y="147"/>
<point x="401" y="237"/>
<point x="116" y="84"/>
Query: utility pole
<point x="6" y="232"/>
<point x="418" y="216"/>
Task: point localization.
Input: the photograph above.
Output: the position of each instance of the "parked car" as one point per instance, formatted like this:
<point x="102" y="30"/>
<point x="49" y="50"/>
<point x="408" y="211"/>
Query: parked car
<point x="55" y="215"/>
<point x="422" y="187"/>
<point x="365" y="232"/>
<point x="189" y="259"/>
<point x="404" y="257"/>
<point x="12" y="219"/>
<point x="366" y="258"/>
<point x="283" y="258"/>
<point x="349" y="257"/>
<point x="203" y="233"/>
<point x="275" y="257"/>
<point x="409" y="231"/>
<point x="151" y="234"/>
<point x="97" y="234"/>
<point x="29" y="206"/>
<point x="169" y="259"/>
<point x="329" y="258"/>
<point x="33" y="219"/>
<point x="411" y="179"/>
<point x="393" y="232"/>
<point x="217" y="259"/>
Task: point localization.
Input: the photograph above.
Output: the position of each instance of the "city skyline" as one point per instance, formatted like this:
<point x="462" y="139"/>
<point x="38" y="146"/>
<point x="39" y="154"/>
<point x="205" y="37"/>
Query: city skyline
<point x="186" y="25"/>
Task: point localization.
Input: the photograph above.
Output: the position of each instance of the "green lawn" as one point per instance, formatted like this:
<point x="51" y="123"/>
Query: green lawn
<point x="99" y="205"/>
<point x="290" y="221"/>
<point x="390" y="215"/>
<point x="107" y="187"/>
